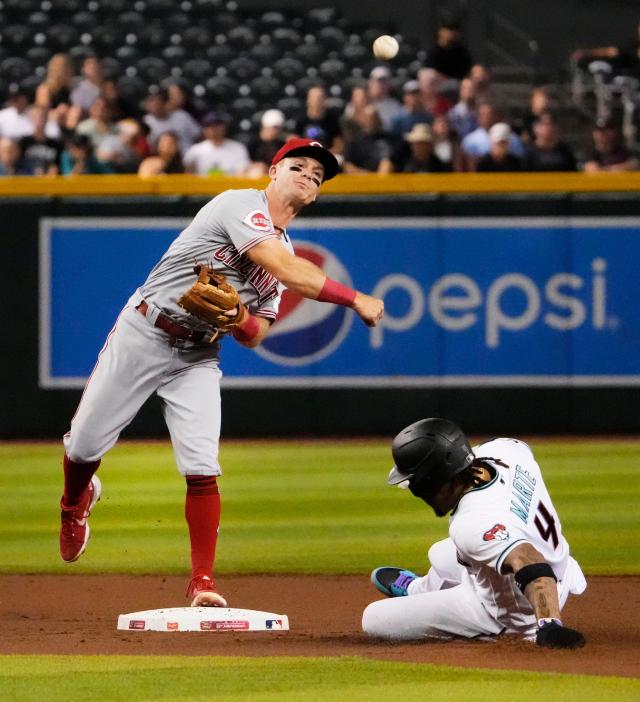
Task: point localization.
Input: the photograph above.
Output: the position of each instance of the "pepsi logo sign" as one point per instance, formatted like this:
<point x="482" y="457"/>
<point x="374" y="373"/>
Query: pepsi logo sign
<point x="307" y="331"/>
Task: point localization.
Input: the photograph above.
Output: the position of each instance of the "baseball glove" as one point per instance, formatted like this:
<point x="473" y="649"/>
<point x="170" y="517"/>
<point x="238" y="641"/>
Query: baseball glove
<point x="214" y="300"/>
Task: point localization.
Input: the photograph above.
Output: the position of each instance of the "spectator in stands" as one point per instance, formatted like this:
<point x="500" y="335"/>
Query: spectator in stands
<point x="416" y="154"/>
<point x="412" y="110"/>
<point x="446" y="144"/>
<point x="623" y="59"/>
<point x="120" y="107"/>
<point x="41" y="152"/>
<point x="379" y="94"/>
<point x="547" y="152"/>
<point x="15" y="121"/>
<point x="539" y="103"/>
<point x="89" y="86"/>
<point x="499" y="157"/>
<point x="166" y="159"/>
<point x="269" y="140"/>
<point x="433" y="101"/>
<point x="609" y="150"/>
<point x="55" y="90"/>
<point x="11" y="162"/>
<point x="78" y="158"/>
<point x="477" y="143"/>
<point x="371" y="150"/>
<point x="484" y="89"/>
<point x="319" y="122"/>
<point x="99" y="124"/>
<point x="216" y="154"/>
<point x="179" y="98"/>
<point x="120" y="151"/>
<point x="161" y="118"/>
<point x="449" y="56"/>
<point x="353" y="117"/>
<point x="462" y="116"/>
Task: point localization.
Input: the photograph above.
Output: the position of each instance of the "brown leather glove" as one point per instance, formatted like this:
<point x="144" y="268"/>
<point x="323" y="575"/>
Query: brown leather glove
<point x="214" y="300"/>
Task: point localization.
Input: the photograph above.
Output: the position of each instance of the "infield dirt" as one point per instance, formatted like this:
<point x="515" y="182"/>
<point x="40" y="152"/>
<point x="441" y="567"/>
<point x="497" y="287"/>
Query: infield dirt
<point x="77" y="614"/>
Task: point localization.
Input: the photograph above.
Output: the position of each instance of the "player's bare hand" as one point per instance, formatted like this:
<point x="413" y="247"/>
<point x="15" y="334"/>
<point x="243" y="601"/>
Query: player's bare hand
<point x="369" y="309"/>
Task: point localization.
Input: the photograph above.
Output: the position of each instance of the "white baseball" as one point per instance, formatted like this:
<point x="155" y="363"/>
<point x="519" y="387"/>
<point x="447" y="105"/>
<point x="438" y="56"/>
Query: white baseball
<point x="385" y="47"/>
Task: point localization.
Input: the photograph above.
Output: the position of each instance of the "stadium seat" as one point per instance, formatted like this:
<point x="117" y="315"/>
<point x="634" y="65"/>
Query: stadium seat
<point x="271" y="19"/>
<point x="152" y="69"/>
<point x="61" y="37"/>
<point x="111" y="67"/>
<point x="197" y="37"/>
<point x="83" y="20"/>
<point x="265" y="52"/>
<point x="131" y="20"/>
<point x="175" y="56"/>
<point x="38" y="56"/>
<point x="15" y="69"/>
<point x="331" y="37"/>
<point x="132" y="88"/>
<point x="288" y="69"/>
<point x="220" y="54"/>
<point x="333" y="70"/>
<point x="226" y="21"/>
<point x="17" y="37"/>
<point x="241" y="37"/>
<point x="266" y="88"/>
<point x="311" y="53"/>
<point x="243" y="107"/>
<point x="128" y="55"/>
<point x="19" y="8"/>
<point x="355" y="54"/>
<point x="243" y="68"/>
<point x="286" y="38"/>
<point x="290" y="105"/>
<point x="38" y="20"/>
<point x="152" y="36"/>
<point x="106" y="37"/>
<point x="198" y="70"/>
<point x="221" y="89"/>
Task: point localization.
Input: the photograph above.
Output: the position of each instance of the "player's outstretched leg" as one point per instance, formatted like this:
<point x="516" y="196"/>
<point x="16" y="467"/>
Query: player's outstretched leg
<point x="202" y="511"/>
<point x="392" y="582"/>
<point x="74" y="518"/>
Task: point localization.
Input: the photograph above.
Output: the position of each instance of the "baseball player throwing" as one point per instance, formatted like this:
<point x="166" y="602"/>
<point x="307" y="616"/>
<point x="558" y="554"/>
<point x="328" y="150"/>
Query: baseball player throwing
<point x="505" y="567"/>
<point x="166" y="340"/>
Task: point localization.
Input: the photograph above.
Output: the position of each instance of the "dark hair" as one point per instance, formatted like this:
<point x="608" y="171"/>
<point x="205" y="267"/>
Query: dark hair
<point x="80" y="141"/>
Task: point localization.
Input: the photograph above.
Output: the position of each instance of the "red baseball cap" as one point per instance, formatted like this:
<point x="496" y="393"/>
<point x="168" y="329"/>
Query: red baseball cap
<point x="312" y="149"/>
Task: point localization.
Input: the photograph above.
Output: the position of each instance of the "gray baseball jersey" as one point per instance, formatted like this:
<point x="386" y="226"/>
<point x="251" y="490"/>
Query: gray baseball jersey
<point x="220" y="235"/>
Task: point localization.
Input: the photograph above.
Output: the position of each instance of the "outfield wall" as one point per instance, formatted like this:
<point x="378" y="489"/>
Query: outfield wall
<point x="512" y="312"/>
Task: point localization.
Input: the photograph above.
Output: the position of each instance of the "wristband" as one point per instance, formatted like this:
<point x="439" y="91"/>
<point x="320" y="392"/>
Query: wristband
<point x="247" y="331"/>
<point x="548" y="620"/>
<point x="339" y="294"/>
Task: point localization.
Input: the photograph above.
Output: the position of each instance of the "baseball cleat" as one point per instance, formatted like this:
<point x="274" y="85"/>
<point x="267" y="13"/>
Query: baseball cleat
<point x="74" y="527"/>
<point x="392" y="582"/>
<point x="202" y="591"/>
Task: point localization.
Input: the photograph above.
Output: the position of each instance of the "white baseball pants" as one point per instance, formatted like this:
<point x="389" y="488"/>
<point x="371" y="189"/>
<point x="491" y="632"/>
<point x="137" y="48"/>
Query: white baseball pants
<point x="136" y="361"/>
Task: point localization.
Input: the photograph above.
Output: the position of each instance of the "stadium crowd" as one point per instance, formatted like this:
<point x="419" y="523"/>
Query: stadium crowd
<point x="450" y="117"/>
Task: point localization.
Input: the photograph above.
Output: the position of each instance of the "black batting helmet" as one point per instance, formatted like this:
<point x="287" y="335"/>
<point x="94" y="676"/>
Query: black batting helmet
<point x="430" y="452"/>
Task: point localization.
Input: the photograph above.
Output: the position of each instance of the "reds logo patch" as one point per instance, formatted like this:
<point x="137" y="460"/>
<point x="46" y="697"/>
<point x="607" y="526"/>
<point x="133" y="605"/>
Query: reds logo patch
<point x="498" y="532"/>
<point x="258" y="220"/>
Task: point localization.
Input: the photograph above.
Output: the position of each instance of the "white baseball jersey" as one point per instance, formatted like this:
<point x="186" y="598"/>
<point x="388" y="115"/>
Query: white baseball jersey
<point x="490" y="521"/>
<point x="465" y="593"/>
<point x="220" y="235"/>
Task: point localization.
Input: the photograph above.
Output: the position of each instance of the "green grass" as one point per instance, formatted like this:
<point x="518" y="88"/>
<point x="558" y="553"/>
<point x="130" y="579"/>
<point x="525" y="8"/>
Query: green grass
<point x="176" y="678"/>
<point x="296" y="507"/>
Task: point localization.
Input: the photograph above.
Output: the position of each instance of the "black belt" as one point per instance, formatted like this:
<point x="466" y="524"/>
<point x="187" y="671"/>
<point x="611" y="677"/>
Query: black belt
<point x="172" y="328"/>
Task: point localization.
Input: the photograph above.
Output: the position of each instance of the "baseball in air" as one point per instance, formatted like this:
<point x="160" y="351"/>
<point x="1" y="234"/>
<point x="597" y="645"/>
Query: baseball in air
<point x="385" y="47"/>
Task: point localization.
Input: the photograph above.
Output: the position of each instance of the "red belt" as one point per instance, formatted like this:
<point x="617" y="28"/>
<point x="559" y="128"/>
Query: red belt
<point x="172" y="328"/>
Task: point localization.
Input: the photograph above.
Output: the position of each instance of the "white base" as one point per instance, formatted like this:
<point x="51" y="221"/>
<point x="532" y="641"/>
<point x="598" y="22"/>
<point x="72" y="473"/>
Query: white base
<point x="203" y="619"/>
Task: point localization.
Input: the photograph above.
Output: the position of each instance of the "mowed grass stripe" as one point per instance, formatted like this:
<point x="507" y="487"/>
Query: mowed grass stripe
<point x="291" y="506"/>
<point x="142" y="678"/>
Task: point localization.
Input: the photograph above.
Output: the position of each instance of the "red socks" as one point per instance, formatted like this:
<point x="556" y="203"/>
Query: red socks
<point x="202" y="511"/>
<point x="77" y="477"/>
